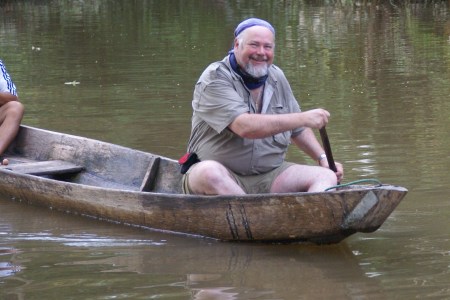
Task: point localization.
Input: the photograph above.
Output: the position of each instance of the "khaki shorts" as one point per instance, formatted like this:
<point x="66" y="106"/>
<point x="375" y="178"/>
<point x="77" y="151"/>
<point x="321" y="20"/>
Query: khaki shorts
<point x="251" y="184"/>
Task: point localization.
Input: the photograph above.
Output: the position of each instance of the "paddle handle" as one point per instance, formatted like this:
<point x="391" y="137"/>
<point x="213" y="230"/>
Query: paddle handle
<point x="327" y="148"/>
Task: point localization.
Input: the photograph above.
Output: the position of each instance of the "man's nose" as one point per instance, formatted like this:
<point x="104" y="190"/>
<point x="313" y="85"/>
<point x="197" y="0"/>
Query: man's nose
<point x="261" y="50"/>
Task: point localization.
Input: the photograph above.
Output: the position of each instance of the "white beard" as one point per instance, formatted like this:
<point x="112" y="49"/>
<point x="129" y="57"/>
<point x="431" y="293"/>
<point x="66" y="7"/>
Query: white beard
<point x="257" y="71"/>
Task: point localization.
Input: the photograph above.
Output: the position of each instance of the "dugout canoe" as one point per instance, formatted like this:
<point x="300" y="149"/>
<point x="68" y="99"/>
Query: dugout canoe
<point x="92" y="178"/>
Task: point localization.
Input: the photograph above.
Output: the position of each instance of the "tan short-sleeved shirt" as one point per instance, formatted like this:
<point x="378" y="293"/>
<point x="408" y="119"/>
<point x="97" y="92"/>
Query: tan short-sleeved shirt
<point x="219" y="97"/>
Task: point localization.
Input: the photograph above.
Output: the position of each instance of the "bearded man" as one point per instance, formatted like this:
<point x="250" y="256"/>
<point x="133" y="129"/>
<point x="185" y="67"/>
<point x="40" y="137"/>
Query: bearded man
<point x="244" y="118"/>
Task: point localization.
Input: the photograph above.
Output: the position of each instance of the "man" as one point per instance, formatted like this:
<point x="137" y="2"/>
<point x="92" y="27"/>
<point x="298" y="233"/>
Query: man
<point x="245" y="117"/>
<point x="11" y="111"/>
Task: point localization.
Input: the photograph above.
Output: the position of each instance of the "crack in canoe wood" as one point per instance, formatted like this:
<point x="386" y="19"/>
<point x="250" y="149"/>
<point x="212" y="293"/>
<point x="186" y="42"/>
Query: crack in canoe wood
<point x="231" y="223"/>
<point x="245" y="222"/>
<point x="234" y="228"/>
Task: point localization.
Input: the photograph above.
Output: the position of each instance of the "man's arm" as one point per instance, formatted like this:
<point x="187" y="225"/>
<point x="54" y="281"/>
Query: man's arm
<point x="308" y="143"/>
<point x="6" y="97"/>
<point x="256" y="126"/>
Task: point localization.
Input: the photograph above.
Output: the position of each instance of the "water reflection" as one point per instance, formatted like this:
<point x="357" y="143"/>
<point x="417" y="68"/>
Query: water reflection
<point x="82" y="240"/>
<point x="8" y="264"/>
<point x="223" y="270"/>
<point x="8" y="268"/>
<point x="105" y="260"/>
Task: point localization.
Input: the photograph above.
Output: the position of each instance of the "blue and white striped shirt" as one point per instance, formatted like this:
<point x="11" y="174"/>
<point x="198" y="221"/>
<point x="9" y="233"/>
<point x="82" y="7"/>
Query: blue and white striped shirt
<point x="6" y="84"/>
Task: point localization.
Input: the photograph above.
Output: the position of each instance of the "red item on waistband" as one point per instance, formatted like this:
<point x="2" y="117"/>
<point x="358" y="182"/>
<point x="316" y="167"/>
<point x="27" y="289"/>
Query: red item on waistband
<point x="184" y="158"/>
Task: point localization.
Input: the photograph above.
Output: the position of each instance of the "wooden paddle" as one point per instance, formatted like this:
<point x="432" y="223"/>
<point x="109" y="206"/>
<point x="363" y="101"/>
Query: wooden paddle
<point x="327" y="148"/>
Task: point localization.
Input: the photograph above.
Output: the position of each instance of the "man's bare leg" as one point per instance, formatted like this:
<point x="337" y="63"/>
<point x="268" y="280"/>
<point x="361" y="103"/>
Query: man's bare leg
<point x="212" y="178"/>
<point x="303" y="178"/>
<point x="11" y="114"/>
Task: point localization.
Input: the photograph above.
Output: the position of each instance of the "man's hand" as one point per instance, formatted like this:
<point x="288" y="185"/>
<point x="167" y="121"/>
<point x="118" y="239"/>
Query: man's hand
<point x="339" y="168"/>
<point x="316" y="118"/>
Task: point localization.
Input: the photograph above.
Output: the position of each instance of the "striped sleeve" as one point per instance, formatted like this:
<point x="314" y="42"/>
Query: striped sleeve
<point x="6" y="84"/>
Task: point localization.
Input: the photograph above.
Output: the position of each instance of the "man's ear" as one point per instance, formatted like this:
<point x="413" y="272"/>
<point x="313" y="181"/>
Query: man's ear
<point x="235" y="43"/>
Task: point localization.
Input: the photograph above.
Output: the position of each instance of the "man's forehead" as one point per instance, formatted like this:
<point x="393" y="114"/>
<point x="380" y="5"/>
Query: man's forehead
<point x="258" y="34"/>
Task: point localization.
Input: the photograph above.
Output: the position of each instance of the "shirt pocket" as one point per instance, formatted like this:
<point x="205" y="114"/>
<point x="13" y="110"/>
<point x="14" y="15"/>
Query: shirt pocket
<point x="282" y="140"/>
<point x="279" y="109"/>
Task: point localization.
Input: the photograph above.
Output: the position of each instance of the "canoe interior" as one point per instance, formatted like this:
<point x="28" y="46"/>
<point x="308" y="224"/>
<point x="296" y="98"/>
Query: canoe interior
<point x="99" y="163"/>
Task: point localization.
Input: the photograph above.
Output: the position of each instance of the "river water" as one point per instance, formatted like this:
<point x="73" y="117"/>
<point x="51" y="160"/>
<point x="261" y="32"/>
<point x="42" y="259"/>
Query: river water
<point x="124" y="71"/>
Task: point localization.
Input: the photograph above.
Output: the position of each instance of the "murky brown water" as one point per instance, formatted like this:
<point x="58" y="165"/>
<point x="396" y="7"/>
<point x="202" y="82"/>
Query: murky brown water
<point x="123" y="72"/>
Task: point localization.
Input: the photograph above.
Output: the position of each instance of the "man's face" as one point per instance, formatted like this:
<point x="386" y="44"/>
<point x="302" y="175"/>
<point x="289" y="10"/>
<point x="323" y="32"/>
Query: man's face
<point x="254" y="50"/>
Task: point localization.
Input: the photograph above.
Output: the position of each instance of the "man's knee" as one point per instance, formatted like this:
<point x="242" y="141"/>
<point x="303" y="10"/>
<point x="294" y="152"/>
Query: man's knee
<point x="212" y="178"/>
<point x="329" y="175"/>
<point x="14" y="109"/>
<point x="209" y="171"/>
<point x="17" y="109"/>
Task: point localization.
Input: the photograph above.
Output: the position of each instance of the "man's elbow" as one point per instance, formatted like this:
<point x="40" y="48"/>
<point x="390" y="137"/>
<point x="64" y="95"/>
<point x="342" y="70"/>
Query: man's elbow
<point x="244" y="126"/>
<point x="246" y="132"/>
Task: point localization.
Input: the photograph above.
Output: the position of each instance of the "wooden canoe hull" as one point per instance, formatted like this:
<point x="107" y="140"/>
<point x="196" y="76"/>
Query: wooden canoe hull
<point x="325" y="217"/>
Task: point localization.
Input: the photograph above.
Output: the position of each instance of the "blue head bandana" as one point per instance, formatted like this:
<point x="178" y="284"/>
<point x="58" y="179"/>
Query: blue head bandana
<point x="250" y="23"/>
